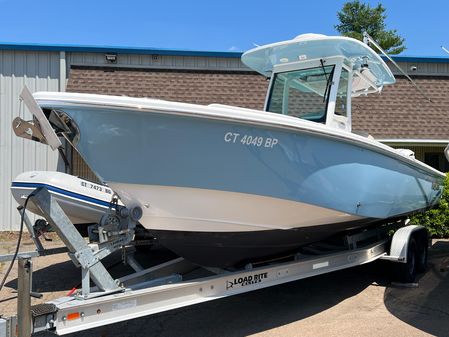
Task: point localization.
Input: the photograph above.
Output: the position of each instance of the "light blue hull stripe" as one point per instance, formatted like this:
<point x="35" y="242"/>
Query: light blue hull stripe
<point x="171" y="150"/>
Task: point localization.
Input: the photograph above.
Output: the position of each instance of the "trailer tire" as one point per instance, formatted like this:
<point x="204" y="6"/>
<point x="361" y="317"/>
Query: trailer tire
<point x="421" y="254"/>
<point x="406" y="272"/>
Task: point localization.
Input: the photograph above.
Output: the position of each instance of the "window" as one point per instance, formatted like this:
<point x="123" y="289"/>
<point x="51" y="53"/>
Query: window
<point x="302" y="93"/>
<point x="342" y="94"/>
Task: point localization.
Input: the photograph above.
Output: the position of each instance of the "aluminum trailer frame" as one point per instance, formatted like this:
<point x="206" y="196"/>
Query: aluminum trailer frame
<point x="132" y="303"/>
<point x="168" y="286"/>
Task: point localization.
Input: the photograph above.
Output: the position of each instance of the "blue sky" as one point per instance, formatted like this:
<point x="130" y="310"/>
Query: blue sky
<point x="207" y="25"/>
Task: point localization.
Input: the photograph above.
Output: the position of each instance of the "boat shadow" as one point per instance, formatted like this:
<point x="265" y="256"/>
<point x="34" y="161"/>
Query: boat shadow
<point x="426" y="307"/>
<point x="56" y="277"/>
<point x="253" y="312"/>
<point x="63" y="276"/>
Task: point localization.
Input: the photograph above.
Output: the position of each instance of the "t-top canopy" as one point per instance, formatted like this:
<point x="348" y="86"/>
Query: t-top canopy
<point x="313" y="46"/>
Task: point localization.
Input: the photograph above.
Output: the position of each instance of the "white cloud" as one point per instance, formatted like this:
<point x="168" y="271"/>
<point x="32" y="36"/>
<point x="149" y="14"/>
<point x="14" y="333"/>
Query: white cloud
<point x="233" y="48"/>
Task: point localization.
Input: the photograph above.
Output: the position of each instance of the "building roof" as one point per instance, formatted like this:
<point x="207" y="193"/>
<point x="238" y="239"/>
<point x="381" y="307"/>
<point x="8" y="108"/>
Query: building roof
<point x="399" y="112"/>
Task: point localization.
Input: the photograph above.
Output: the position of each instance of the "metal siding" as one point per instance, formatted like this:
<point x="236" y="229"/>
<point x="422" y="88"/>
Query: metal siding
<point x="218" y="63"/>
<point x="201" y="62"/>
<point x="89" y="58"/>
<point x="212" y="62"/>
<point x="134" y="60"/>
<point x="158" y="62"/>
<point x="39" y="71"/>
<point x="423" y="69"/>
<point x="167" y="61"/>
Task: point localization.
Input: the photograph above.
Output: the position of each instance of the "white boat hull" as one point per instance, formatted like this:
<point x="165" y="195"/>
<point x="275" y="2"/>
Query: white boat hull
<point x="219" y="228"/>
<point x="204" y="210"/>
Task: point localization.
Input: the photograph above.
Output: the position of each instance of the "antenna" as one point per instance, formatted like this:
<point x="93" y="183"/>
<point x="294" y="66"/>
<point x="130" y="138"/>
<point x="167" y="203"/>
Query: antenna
<point x="367" y="39"/>
<point x="447" y="51"/>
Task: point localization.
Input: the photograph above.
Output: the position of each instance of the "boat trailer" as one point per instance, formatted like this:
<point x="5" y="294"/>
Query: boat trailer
<point x="177" y="283"/>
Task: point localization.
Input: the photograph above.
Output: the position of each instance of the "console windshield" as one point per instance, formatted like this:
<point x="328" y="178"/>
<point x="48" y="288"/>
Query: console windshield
<point x="302" y="93"/>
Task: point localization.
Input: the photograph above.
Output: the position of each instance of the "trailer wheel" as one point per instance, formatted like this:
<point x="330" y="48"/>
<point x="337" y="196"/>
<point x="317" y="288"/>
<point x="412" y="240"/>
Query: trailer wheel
<point x="406" y="272"/>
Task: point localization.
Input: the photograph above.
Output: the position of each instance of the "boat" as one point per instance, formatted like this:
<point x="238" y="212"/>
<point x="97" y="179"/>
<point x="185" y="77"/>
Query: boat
<point x="221" y="185"/>
<point x="83" y="201"/>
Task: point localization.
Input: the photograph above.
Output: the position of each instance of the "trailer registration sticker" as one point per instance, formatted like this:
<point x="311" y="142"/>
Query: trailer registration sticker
<point x="124" y="305"/>
<point x="250" y="140"/>
<point x="320" y="265"/>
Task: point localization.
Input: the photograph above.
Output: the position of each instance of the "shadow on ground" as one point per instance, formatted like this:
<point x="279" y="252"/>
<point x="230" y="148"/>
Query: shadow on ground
<point x="426" y="307"/>
<point x="65" y="276"/>
<point x="252" y="312"/>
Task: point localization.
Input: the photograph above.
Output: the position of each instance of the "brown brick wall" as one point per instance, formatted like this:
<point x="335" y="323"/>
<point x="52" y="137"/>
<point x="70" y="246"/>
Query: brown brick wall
<point x="400" y="111"/>
<point x="244" y="89"/>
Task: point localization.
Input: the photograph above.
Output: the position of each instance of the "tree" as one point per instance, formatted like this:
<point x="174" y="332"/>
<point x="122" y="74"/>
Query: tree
<point x="356" y="17"/>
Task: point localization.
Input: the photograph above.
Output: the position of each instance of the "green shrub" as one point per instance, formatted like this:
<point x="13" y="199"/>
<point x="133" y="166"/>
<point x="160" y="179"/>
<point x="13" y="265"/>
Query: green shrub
<point x="436" y="220"/>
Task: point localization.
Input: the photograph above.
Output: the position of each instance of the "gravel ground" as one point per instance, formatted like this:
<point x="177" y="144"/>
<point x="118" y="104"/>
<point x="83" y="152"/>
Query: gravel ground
<point x="354" y="302"/>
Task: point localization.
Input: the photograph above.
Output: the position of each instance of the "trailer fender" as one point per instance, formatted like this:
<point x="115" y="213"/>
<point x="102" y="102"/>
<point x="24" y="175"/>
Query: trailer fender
<point x="401" y="240"/>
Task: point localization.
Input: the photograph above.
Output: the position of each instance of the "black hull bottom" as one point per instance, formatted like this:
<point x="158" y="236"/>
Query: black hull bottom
<point x="225" y="249"/>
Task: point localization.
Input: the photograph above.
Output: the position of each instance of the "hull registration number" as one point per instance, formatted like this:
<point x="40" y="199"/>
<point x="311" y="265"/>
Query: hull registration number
<point x="250" y="140"/>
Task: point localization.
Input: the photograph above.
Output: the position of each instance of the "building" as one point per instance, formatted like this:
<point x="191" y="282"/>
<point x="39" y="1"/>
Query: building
<point x="400" y="116"/>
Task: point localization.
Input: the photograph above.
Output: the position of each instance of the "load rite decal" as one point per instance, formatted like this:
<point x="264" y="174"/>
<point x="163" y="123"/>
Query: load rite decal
<point x="246" y="280"/>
